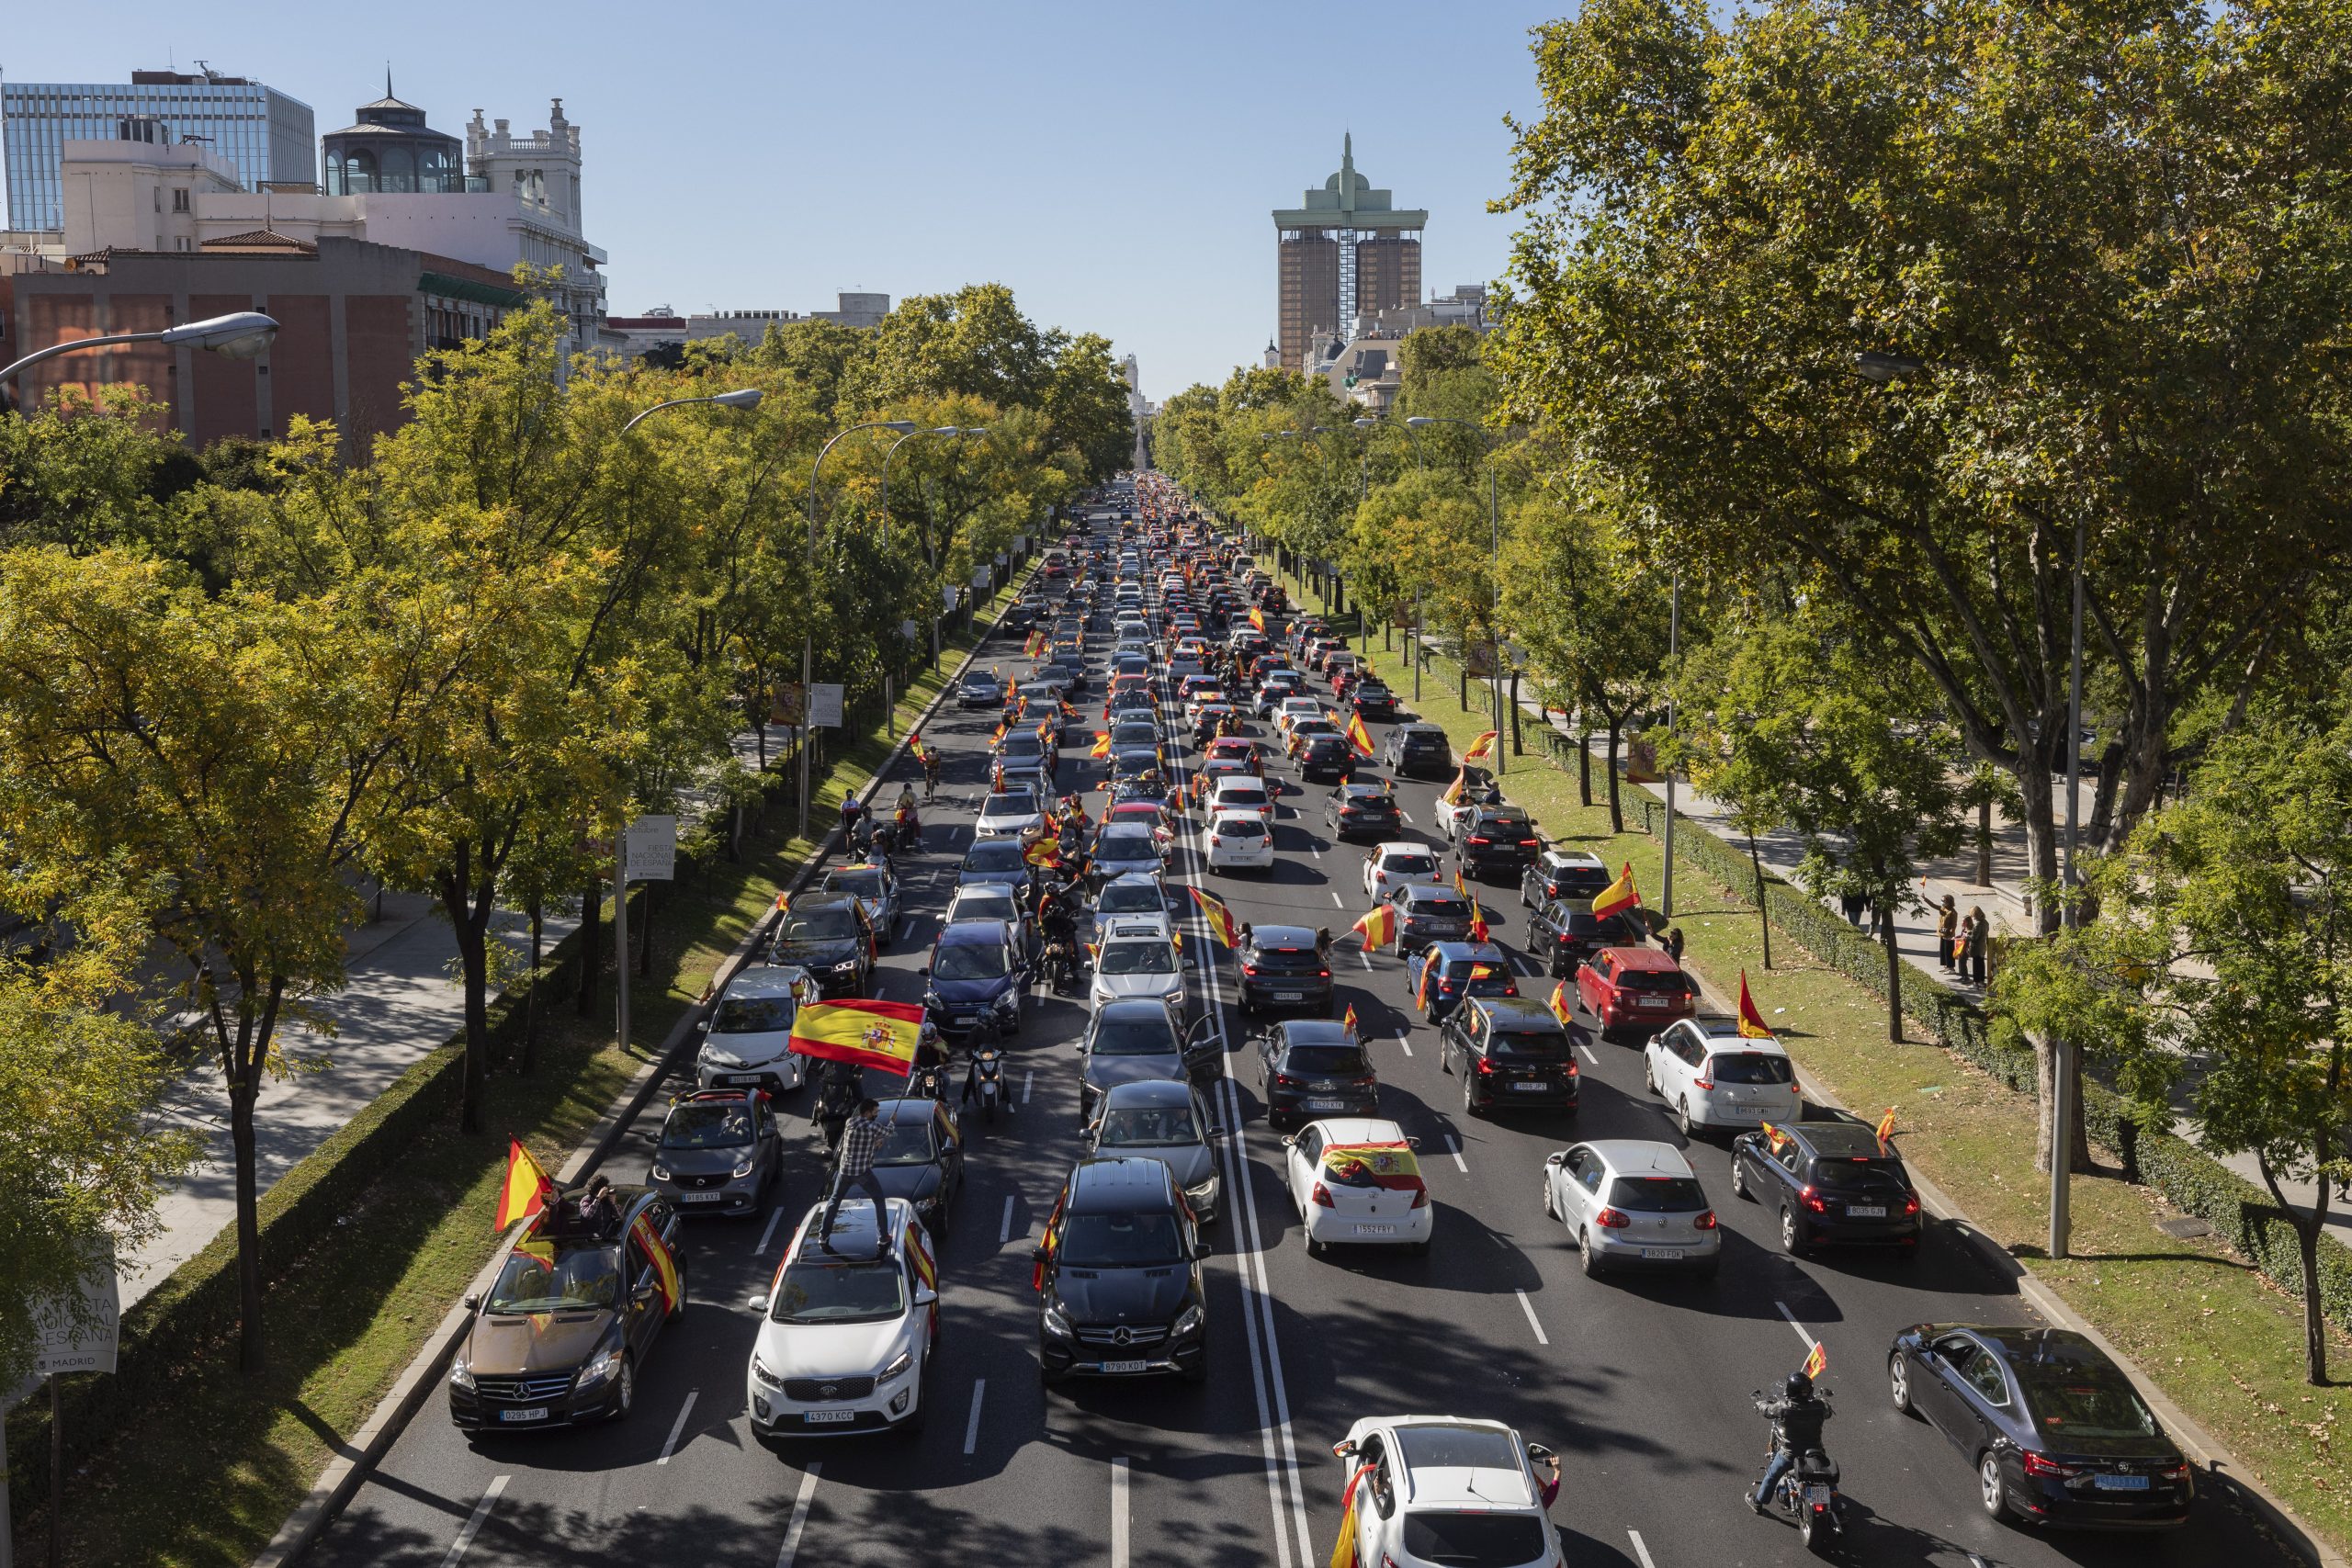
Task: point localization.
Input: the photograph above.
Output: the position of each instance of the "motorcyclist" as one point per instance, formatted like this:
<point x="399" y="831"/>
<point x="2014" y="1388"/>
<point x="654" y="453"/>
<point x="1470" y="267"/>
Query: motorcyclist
<point x="931" y="1056"/>
<point x="909" y="823"/>
<point x="1797" y="1418"/>
<point x="852" y="808"/>
<point x="839" y="1088"/>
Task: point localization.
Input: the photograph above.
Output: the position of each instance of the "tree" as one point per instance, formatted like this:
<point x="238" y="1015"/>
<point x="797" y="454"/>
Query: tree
<point x="1731" y="750"/>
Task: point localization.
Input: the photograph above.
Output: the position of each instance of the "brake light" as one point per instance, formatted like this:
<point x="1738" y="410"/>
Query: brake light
<point x="2037" y="1465"/>
<point x="2177" y="1473"/>
<point x="1283" y="1080"/>
<point x="1215" y="842"/>
<point x="1610" y="1219"/>
<point x="1910" y="1203"/>
<point x="1250" y="970"/>
<point x="1485" y="1066"/>
<point x="1705" y="1222"/>
<point x="1477" y="839"/>
<point x="1572" y="1066"/>
<point x="1527" y="843"/>
<point x="1421" y="1200"/>
<point x="1322" y="1196"/>
<point x="1814" y="1201"/>
<point x="1702" y="1083"/>
<point x="1366" y="1082"/>
<point x="1322" y="974"/>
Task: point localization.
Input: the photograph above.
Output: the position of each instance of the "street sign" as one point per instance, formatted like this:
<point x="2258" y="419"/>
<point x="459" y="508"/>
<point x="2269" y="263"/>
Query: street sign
<point x="982" y="579"/>
<point x="784" y="703"/>
<point x="652" y="849"/>
<point x="69" y="1344"/>
<point x="910" y="630"/>
<point x="1002" y="559"/>
<point x="824" y="706"/>
<point x="948" y="595"/>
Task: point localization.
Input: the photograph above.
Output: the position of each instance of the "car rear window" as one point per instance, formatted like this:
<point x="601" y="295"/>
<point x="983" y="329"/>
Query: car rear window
<point x="1241" y="827"/>
<point x="1287" y="960"/>
<point x="1528" y="1044"/>
<point x="1579" y="881"/>
<point x="1410" y="865"/>
<point x="1446" y="908"/>
<point x="2075" y="1401"/>
<point x="1325" y="1059"/>
<point x="1748" y="1067"/>
<point x="1663" y="981"/>
<point x="1656" y="1194"/>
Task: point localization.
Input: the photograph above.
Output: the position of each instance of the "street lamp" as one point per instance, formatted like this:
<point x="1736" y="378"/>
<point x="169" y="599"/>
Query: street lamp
<point x="741" y="397"/>
<point x="809" y="636"/>
<point x="1494" y="569"/>
<point x="241" y="335"/>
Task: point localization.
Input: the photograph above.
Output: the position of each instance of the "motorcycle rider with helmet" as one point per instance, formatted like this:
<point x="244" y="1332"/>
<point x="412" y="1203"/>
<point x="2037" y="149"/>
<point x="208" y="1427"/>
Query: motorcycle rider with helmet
<point x="1797" y="1419"/>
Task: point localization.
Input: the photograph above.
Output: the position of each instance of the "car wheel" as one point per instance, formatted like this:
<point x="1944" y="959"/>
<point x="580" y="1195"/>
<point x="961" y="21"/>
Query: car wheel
<point x="1988" y="1486"/>
<point x="1470" y="1097"/>
<point x="1792" y="1237"/>
<point x="1587" y="1257"/>
<point x="1740" y="1181"/>
<point x="913" y="1425"/>
<point x="625" y="1391"/>
<point x="1551" y="1200"/>
<point x="1649" y="1073"/>
<point x="1898" y="1382"/>
<point x="1682" y="1122"/>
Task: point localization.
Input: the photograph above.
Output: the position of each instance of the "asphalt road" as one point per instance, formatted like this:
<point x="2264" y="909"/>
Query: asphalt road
<point x="1642" y="1386"/>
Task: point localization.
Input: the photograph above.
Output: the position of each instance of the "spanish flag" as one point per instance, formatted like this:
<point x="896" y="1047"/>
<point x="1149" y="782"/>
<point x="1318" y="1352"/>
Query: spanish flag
<point x="1619" y="894"/>
<point x="1751" y="1023"/>
<point x="1219" y="918"/>
<point x="1452" y="796"/>
<point x="869" y="1032"/>
<point x="1358" y="736"/>
<point x="1886" y="1125"/>
<point x="1257" y="619"/>
<point x="1817" y="1361"/>
<point x="998" y="733"/>
<point x="1046" y="731"/>
<point x="1101" y="747"/>
<point x="1349" y="1022"/>
<point x="1069" y="709"/>
<point x="1421" y="991"/>
<point x="1480" y="748"/>
<point x="1480" y="930"/>
<point x="1044" y="853"/>
<point x="926" y="1268"/>
<point x="1378" y="929"/>
<point x="665" y="1267"/>
<point x="528" y="1189"/>
<point x="1563" y="1008"/>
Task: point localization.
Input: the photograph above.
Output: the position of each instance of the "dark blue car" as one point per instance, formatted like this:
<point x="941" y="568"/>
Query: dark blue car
<point x="977" y="974"/>
<point x="996" y="860"/>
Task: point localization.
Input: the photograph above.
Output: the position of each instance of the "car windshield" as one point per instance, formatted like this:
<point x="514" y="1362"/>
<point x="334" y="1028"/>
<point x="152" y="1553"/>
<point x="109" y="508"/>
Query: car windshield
<point x="727" y="1124"/>
<point x="753" y="1015"/>
<point x="1473" y="1541"/>
<point x="1133" y="1037"/>
<point x="840" y="1292"/>
<point x="1126" y="846"/>
<point x="569" y="1279"/>
<point x="821" y="925"/>
<point x="863" y="882"/>
<point x="906" y="1143"/>
<point x="994" y="856"/>
<point x="1459" y="1448"/>
<point x="1656" y="1194"/>
<point x="1325" y="1059"/>
<point x="1131" y="898"/>
<point x="1409" y="866"/>
<point x="1748" y="1067"/>
<point x="1137" y="958"/>
<point x="1528" y="1044"/>
<point x="2077" y="1401"/>
<point x="1149" y="1127"/>
<point x="1012" y="802"/>
<point x="1120" y="1241"/>
<point x="970" y="961"/>
<point x="990" y="906"/>
<point x="1020" y="743"/>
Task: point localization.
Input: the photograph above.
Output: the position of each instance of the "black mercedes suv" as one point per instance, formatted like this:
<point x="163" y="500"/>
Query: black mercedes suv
<point x="1118" y="1276"/>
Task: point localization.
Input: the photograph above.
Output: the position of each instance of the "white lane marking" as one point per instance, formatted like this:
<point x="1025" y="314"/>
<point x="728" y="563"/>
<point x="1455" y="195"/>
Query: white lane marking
<point x="669" y="1445"/>
<point x="1363" y="958"/>
<point x="1590" y="1060"/>
<point x="1454" y="1147"/>
<point x="1405" y="1043"/>
<point x="768" y="1234"/>
<point x="1528" y="1308"/>
<point x="972" y="1426"/>
<point x="1026" y="1079"/>
<point x="1004" y="1232"/>
<point x="1405" y="814"/>
<point x="1314" y="848"/>
<point x="1335" y="898"/>
<point x="474" y="1520"/>
<point x="1643" y="1551"/>
<point x="801" y="1502"/>
<point x="1809" y="1340"/>
<point x="1119" y="1513"/>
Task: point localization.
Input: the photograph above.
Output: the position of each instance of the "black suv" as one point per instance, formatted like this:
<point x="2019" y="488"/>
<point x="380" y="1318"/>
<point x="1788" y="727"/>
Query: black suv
<point x="1372" y="699"/>
<point x="1510" y="1051"/>
<point x="1313" y="1066"/>
<point x="829" y="935"/>
<point x="1832" y="1182"/>
<point x="1566" y="933"/>
<point x="1497" y="837"/>
<point x="1118" y="1276"/>
<point x="1327" y="757"/>
<point x="1362" y="808"/>
<point x="1564" y="873"/>
<point x="1285" y="967"/>
<point x="1419" y="748"/>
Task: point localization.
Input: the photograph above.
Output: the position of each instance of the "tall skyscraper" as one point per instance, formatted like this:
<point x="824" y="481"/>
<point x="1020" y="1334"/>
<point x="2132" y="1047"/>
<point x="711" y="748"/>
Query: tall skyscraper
<point x="1343" y="250"/>
<point x="266" y="135"/>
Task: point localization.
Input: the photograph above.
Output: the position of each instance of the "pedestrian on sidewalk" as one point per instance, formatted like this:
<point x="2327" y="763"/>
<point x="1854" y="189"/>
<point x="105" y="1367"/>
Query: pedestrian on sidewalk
<point x="1672" y="942"/>
<point x="1978" y="937"/>
<point x="1947" y="932"/>
<point x="1850" y="903"/>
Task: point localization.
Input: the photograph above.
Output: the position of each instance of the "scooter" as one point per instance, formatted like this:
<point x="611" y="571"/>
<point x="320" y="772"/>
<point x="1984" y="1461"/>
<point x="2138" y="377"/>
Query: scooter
<point x="985" y="1080"/>
<point x="1807" y="1494"/>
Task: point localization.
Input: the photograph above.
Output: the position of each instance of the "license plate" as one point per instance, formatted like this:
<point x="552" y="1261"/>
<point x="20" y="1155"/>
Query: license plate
<point x="1322" y="1104"/>
<point x="1134" y="1366"/>
<point x="1649" y="1001"/>
<point x="1866" y="1211"/>
<point x="739" y="1078"/>
<point x="700" y="1197"/>
<point x="1530" y="1088"/>
<point x="1661" y="1254"/>
<point x="2121" y="1482"/>
<point x="1375" y="1230"/>
<point x="1290" y="996"/>
<point x="538" y="1414"/>
<point x="1817" y="1495"/>
<point x="963" y="1019"/>
<point x="829" y="1417"/>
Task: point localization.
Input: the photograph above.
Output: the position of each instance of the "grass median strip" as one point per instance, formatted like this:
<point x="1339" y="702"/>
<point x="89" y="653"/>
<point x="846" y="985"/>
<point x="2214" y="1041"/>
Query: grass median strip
<point x="2222" y="1341"/>
<point x="205" y="1480"/>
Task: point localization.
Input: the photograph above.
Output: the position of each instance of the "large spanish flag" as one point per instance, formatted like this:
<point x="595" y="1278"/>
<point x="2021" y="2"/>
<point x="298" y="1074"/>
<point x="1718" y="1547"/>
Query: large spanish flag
<point x="1619" y="894"/>
<point x="1358" y="736"/>
<point x="1378" y="929"/>
<point x="1452" y="796"/>
<point x="1219" y="918"/>
<point x="657" y="1251"/>
<point x="1482" y="747"/>
<point x="1257" y="619"/>
<point x="1101" y="744"/>
<point x="869" y="1032"/>
<point x="1562" y="1008"/>
<point x="528" y="1189"/>
<point x="1751" y="1023"/>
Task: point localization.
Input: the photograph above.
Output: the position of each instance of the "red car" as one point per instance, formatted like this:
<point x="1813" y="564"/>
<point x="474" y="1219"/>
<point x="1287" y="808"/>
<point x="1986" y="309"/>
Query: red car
<point x="1626" y="987"/>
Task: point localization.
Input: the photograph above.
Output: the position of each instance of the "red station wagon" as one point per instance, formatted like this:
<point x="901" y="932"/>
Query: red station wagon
<point x="1629" y="986"/>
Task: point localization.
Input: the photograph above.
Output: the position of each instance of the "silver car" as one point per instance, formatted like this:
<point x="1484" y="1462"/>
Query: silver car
<point x="1634" y="1205"/>
<point x="1012" y="812"/>
<point x="875" y="886"/>
<point x="719" y="1149"/>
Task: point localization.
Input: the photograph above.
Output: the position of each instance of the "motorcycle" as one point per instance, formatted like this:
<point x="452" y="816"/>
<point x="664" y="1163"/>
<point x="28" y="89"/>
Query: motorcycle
<point x="1807" y="1494"/>
<point x="1059" y="965"/>
<point x="837" y="1096"/>
<point x="984" y="1081"/>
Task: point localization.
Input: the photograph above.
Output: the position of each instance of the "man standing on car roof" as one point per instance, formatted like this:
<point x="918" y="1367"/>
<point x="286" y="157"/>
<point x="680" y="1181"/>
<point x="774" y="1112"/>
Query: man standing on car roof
<point x="860" y="1141"/>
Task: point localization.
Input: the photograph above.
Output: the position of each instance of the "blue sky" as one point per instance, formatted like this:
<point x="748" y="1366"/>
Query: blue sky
<point x="1114" y="164"/>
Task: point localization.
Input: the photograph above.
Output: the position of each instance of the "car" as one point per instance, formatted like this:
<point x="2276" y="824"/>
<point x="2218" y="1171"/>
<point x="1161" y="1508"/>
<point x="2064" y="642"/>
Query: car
<point x="848" y="1328"/>
<point x="1712" y="1076"/>
<point x="1373" y="702"/>
<point x="1313" y="1066"/>
<point x="1631" y="1203"/>
<point x="1139" y="1039"/>
<point x="1510" y="1051"/>
<point x="1240" y="792"/>
<point x="1573" y="874"/>
<point x="1011" y="813"/>
<point x="1124" y="848"/>
<point x="1495" y="838"/>
<point x="1135" y="731"/>
<point x="1290" y="710"/>
<point x="875" y="886"/>
<point x="921" y="1158"/>
<point x="1276" y="687"/>
<point x="718" y="1151"/>
<point x="1031" y="777"/>
<point x="1240" y="841"/>
<point x="1368" y="807"/>
<point x="559" y="1338"/>
<point x="1166" y="1119"/>
<point x="747" y="1040"/>
<point x="1400" y="863"/>
<point x="1239" y="749"/>
<point x="1629" y="986"/>
<point x="1420" y="749"/>
<point x="1137" y="896"/>
<point x="980" y="689"/>
<point x="829" y="935"/>
<point x="993" y="901"/>
<point x="977" y="974"/>
<point x="1120" y="1291"/>
<point x="1020" y="751"/>
<point x="1286" y="968"/>
<point x="996" y="860"/>
<point x="1355" y="1180"/>
<point x="1137" y="959"/>
<point x="2056" y="1430"/>
<point x="1429" y="912"/>
<point x="1442" y="974"/>
<point x="1440" y="1490"/>
<point x="1830" y="1182"/>
<point x="1564" y="934"/>
<point x="1477" y="792"/>
<point x="1331" y="757"/>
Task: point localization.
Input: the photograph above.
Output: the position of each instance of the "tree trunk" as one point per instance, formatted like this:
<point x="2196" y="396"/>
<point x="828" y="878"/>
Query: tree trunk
<point x="473" y="958"/>
<point x="1894" y="970"/>
<point x="1462" y="677"/>
<point x="592" y="916"/>
<point x="2308" y="1224"/>
<point x="1985" y="843"/>
<point x="1584" y="760"/>
<point x="1763" y="916"/>
<point x="1515" y="749"/>
<point x="1616" y="811"/>
<point x="243" y="1089"/>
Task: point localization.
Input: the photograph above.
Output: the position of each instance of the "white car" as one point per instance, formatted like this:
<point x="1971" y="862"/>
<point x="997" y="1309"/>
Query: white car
<point x="846" y="1336"/>
<point x="747" y="1043"/>
<point x="1632" y="1204"/>
<point x="1458" y="1490"/>
<point x="1353" y="1178"/>
<point x="1396" y="864"/>
<point x="1240" y="792"/>
<point x="1137" y="961"/>
<point x="1293" y="709"/>
<point x="1712" y="1076"/>
<point x="1240" y="841"/>
<point x="1012" y="812"/>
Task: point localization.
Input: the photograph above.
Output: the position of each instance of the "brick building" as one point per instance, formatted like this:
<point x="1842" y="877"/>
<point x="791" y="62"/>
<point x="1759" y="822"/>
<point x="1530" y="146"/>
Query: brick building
<point x="1343" y="252"/>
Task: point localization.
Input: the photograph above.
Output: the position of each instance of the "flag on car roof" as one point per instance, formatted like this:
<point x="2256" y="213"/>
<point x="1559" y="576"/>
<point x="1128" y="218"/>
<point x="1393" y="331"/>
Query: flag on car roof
<point x="1349" y="1022"/>
<point x="528" y="1189"/>
<point x="1378" y="927"/>
<point x="1482" y="747"/>
<point x="1563" y="1008"/>
<point x="657" y="1252"/>
<point x="1751" y="1023"/>
<point x="1619" y="894"/>
<point x="865" y="1030"/>
<point x="998" y="733"/>
<point x="1257" y="619"/>
<point x="1219" y="918"/>
<point x="1358" y="736"/>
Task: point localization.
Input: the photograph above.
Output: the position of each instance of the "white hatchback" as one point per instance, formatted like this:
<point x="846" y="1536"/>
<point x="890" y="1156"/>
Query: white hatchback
<point x="1354" y="1178"/>
<point x="1400" y="863"/>
<point x="846" y="1329"/>
<point x="1240" y="841"/>
<point x="1712" y="1076"/>
<point x="1240" y="792"/>
<point x="747" y="1042"/>
<point x="1446" y="1489"/>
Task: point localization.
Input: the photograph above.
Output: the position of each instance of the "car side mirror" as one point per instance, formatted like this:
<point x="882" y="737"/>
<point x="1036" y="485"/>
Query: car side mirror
<point x="473" y="1300"/>
<point x="925" y="1296"/>
<point x="1039" y="1254"/>
<point x="1553" y="1159"/>
<point x="1343" y="1449"/>
<point x="702" y="1026"/>
<point x="1289" y="1139"/>
<point x="757" y="1303"/>
<point x="923" y="972"/>
<point x="644" y="1290"/>
<point x="1201" y="1247"/>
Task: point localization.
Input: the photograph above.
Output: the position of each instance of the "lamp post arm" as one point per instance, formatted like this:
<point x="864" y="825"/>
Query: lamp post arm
<point x="115" y="340"/>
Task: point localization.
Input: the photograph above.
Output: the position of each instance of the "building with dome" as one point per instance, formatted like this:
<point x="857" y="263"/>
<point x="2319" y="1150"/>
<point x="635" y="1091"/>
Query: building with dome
<point x="391" y="149"/>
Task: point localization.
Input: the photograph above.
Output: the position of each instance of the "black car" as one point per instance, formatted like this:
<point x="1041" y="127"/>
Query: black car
<point x="829" y="935"/>
<point x="2056" y="1432"/>
<point x="1138" y="1038"/>
<point x="1313" y="1066"/>
<point x="1369" y="809"/>
<point x="1371" y="701"/>
<point x="1564" y="873"/>
<point x="1118" y="1276"/>
<point x="1426" y="913"/>
<point x="1285" y="967"/>
<point x="1419" y="748"/>
<point x="1497" y="837"/>
<point x="1510" y="1051"/>
<point x="1327" y="757"/>
<point x="1166" y="1119"/>
<point x="1123" y="849"/>
<point x="921" y="1158"/>
<point x="1565" y="932"/>
<point x="1832" y="1182"/>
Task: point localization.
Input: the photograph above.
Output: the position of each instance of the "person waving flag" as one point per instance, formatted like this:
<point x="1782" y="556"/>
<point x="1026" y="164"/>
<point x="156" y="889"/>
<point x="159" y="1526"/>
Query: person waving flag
<point x="1619" y="894"/>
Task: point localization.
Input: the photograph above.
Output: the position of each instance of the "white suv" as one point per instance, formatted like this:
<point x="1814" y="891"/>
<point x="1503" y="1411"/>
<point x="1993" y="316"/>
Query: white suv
<point x="747" y="1042"/>
<point x="1137" y="961"/>
<point x="1240" y="840"/>
<point x="846" y="1332"/>
<point x="1444" y="1489"/>
<point x="1012" y="812"/>
<point x="1401" y="864"/>
<point x="1712" y="1076"/>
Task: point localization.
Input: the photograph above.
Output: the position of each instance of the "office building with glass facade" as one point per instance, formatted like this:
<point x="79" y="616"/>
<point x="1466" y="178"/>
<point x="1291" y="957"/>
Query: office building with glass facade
<point x="267" y="136"/>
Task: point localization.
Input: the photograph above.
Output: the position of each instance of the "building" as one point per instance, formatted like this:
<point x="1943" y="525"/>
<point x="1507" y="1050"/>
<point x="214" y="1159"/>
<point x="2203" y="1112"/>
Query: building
<point x="1344" y="251"/>
<point x="263" y="135"/>
<point x="632" y="337"/>
<point x="391" y="150"/>
<point x="1365" y="367"/>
